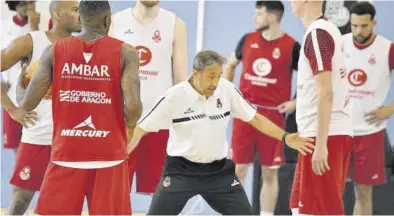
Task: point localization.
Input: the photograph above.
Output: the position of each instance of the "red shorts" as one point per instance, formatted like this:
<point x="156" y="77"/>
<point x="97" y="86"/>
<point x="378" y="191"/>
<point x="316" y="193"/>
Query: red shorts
<point x="30" y="166"/>
<point x="246" y="139"/>
<point x="12" y="131"/>
<point x="147" y="161"/>
<point x="367" y="159"/>
<point x="322" y="195"/>
<point x="64" y="189"/>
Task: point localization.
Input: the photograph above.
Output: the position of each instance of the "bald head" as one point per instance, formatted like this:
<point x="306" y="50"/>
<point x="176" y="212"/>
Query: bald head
<point x="54" y="6"/>
<point x="65" y="14"/>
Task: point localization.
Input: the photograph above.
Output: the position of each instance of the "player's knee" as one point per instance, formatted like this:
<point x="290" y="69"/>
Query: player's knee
<point x="269" y="175"/>
<point x="241" y="171"/>
<point x="363" y="192"/>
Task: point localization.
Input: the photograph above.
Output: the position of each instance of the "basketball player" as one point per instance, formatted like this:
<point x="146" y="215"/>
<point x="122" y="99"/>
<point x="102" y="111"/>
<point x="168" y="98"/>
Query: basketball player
<point x="34" y="150"/>
<point x="25" y="20"/>
<point x="268" y="56"/>
<point x="161" y="42"/>
<point x="95" y="91"/>
<point x="369" y="63"/>
<point x="322" y="113"/>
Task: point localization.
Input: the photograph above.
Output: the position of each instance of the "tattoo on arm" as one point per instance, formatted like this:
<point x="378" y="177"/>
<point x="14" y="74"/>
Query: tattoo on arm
<point x="41" y="81"/>
<point x="130" y="85"/>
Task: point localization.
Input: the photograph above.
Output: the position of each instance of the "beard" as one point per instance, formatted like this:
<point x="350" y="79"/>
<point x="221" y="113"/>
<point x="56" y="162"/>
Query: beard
<point x="362" y="40"/>
<point x="263" y="28"/>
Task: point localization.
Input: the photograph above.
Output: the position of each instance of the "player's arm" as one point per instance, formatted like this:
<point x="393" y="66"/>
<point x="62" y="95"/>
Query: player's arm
<point x="384" y="112"/>
<point x="130" y="85"/>
<point x="290" y="106"/>
<point x="319" y="49"/>
<point x="41" y="81"/>
<point x="243" y="110"/>
<point x="234" y="60"/>
<point x="158" y="118"/>
<point x="179" y="56"/>
<point x="17" y="50"/>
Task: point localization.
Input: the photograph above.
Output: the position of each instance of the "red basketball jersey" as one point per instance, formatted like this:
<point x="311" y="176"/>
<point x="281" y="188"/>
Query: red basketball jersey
<point x="87" y="102"/>
<point x="267" y="69"/>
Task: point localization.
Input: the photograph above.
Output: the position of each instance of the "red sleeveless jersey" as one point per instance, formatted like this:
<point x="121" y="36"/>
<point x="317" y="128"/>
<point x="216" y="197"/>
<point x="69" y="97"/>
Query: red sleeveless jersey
<point x="267" y="69"/>
<point x="87" y="102"/>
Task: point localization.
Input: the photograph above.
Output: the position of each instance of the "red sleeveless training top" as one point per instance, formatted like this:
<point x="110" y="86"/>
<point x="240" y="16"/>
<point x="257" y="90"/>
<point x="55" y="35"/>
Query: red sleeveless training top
<point x="87" y="102"/>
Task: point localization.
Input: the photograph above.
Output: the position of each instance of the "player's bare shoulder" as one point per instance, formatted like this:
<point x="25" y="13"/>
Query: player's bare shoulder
<point x="129" y="54"/>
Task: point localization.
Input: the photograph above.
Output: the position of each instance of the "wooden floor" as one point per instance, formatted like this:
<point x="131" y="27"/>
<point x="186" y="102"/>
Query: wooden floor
<point x="30" y="212"/>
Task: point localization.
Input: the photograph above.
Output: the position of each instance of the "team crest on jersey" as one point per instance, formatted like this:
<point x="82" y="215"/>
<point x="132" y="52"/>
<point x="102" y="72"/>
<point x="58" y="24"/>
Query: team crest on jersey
<point x="219" y="103"/>
<point x="276" y="53"/>
<point x="156" y="36"/>
<point x="25" y="173"/>
<point x="167" y="182"/>
<point x="372" y="60"/>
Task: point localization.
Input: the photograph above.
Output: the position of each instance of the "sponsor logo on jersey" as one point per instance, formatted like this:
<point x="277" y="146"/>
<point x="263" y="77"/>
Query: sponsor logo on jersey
<point x="156" y="36"/>
<point x="357" y="77"/>
<point x="85" y="129"/>
<point x="145" y="55"/>
<point x="85" y="72"/>
<point x="261" y="68"/>
<point x="76" y="96"/>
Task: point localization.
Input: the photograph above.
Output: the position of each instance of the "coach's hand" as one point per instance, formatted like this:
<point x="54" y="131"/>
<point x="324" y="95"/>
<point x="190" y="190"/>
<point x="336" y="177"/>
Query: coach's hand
<point x="302" y="145"/>
<point x="320" y="160"/>
<point x="23" y="117"/>
<point x="378" y="116"/>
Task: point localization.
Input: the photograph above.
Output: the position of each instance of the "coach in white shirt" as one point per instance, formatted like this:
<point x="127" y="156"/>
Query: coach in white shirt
<point x="197" y="113"/>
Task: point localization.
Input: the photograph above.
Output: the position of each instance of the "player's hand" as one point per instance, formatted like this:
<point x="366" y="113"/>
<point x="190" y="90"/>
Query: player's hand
<point x="378" y="116"/>
<point x="5" y="85"/>
<point x="34" y="20"/>
<point x="302" y="145"/>
<point x="23" y="117"/>
<point x="287" y="107"/>
<point x="320" y="160"/>
<point x="22" y="81"/>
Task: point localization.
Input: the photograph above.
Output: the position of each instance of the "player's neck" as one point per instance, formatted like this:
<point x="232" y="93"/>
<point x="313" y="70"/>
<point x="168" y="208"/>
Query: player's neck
<point x="310" y="16"/>
<point x="90" y="33"/>
<point x="273" y="33"/>
<point x="144" y="14"/>
<point x="60" y="32"/>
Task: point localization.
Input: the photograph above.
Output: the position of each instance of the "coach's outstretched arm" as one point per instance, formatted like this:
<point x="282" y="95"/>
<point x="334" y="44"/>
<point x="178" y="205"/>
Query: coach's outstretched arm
<point x="40" y="82"/>
<point x="130" y="85"/>
<point x="158" y="118"/>
<point x="243" y="110"/>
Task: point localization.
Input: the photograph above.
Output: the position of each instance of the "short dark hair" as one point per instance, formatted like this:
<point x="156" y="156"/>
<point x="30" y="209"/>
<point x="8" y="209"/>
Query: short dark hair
<point x="12" y="4"/>
<point x="272" y="7"/>
<point x="363" y="8"/>
<point x="89" y="8"/>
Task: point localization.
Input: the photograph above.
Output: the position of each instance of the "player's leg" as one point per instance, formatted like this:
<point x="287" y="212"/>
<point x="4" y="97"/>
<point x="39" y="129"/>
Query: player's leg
<point x="63" y="191"/>
<point x="272" y="158"/>
<point x="170" y="196"/>
<point x="150" y="161"/>
<point x="109" y="192"/>
<point x="31" y="163"/>
<point x="242" y="147"/>
<point x="225" y="194"/>
<point x="12" y="132"/>
<point x="321" y="195"/>
<point x="368" y="170"/>
<point x="295" y="189"/>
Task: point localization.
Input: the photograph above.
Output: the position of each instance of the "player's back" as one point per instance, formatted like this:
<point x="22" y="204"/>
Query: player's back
<point x="87" y="100"/>
<point x="369" y="79"/>
<point x="307" y="92"/>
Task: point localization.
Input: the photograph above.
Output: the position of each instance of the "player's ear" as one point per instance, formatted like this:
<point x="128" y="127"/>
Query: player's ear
<point x="107" y="22"/>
